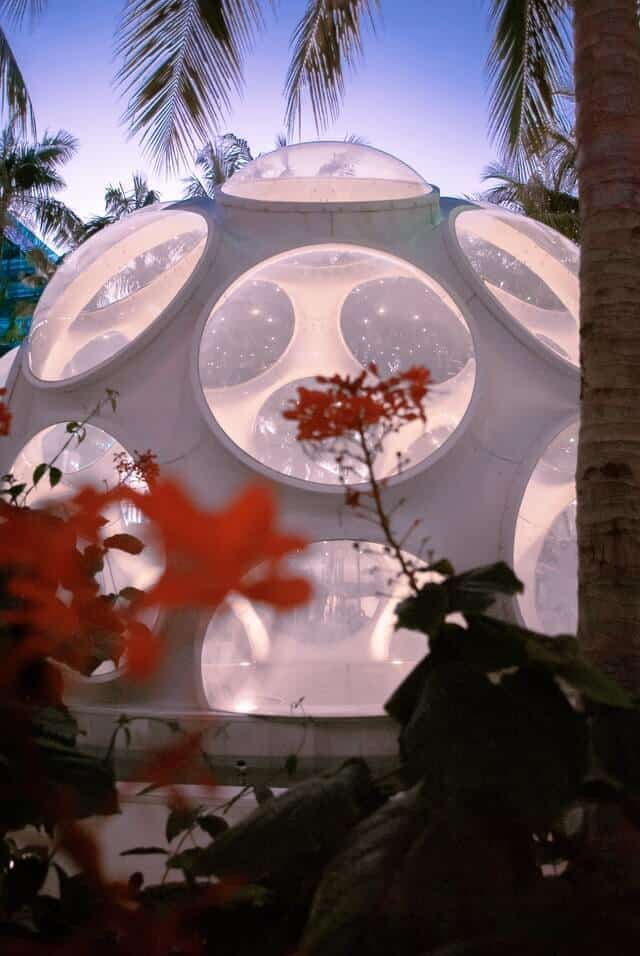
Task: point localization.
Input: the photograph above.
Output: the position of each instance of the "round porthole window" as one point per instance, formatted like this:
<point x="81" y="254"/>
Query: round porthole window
<point x="545" y="547"/>
<point x="326" y="310"/>
<point x="112" y="288"/>
<point x="337" y="656"/>
<point x="93" y="462"/>
<point x="530" y="270"/>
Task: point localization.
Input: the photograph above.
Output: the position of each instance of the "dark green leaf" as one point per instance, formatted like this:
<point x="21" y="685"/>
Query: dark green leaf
<point x="474" y="591"/>
<point x="424" y="611"/>
<point x="288" y="839"/>
<point x="179" y="820"/>
<point x="442" y="566"/>
<point x="262" y="793"/>
<point x="404" y="699"/>
<point x="72" y="427"/>
<point x="145" y="851"/>
<point x="130" y="593"/>
<point x="594" y="684"/>
<point x="39" y="471"/>
<point x="16" y="490"/>
<point x="54" y="475"/>
<point x="212" y="824"/>
<point x="124" y="542"/>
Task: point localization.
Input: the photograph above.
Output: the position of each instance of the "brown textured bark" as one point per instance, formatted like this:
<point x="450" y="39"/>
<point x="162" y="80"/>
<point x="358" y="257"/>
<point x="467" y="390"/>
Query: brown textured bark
<point x="607" y="76"/>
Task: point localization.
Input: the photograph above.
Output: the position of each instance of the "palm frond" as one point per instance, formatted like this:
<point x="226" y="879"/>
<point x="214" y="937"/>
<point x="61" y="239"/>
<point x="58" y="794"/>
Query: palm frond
<point x="54" y="220"/>
<point x="14" y="96"/>
<point x="528" y="62"/>
<point x="195" y="188"/>
<point x="15" y="11"/>
<point x="326" y="41"/>
<point x="356" y="139"/>
<point x="181" y="62"/>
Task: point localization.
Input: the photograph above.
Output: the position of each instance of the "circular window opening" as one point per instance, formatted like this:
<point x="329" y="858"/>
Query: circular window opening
<point x="531" y="270"/>
<point x="326" y="310"/>
<point x="324" y="173"/>
<point x="111" y="289"/>
<point x="93" y="462"/>
<point x="545" y="547"/>
<point x="338" y="656"/>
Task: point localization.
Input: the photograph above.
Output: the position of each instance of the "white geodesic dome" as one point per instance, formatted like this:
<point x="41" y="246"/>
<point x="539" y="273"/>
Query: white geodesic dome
<point x="205" y="316"/>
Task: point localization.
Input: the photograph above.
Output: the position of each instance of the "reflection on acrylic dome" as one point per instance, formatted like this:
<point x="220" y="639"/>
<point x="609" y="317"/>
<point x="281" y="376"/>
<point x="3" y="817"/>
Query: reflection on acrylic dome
<point x="92" y="462"/>
<point x="545" y="552"/>
<point x="112" y="288"/>
<point x="339" y="655"/>
<point x="336" y="308"/>
<point x="530" y="270"/>
<point x="326" y="172"/>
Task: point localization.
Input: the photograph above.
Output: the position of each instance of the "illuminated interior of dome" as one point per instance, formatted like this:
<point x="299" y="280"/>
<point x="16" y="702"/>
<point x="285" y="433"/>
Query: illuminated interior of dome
<point x="326" y="172"/>
<point x="325" y="310"/>
<point x="339" y="655"/>
<point x="112" y="288"/>
<point x="92" y="462"/>
<point x="531" y="270"/>
<point x="545" y="550"/>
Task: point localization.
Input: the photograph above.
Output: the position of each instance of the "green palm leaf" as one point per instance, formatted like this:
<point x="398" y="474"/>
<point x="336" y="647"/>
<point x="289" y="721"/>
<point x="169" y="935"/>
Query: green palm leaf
<point x="528" y="63"/>
<point x="181" y="62"/>
<point x="14" y="96"/>
<point x="326" y="40"/>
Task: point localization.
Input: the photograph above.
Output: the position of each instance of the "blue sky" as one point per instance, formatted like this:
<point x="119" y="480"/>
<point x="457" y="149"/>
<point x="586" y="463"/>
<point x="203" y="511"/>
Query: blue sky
<point x="419" y="94"/>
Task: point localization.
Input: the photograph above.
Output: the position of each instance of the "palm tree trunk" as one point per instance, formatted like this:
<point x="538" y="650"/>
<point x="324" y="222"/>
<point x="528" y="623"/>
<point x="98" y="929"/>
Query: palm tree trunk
<point x="607" y="77"/>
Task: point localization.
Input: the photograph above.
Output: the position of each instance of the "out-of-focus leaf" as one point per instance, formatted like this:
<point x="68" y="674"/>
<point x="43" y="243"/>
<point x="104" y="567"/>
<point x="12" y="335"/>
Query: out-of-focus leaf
<point x="518" y="744"/>
<point x="179" y="820"/>
<point x="145" y="851"/>
<point x="424" y="611"/>
<point x="353" y="884"/>
<point x="124" y="542"/>
<point x="213" y="824"/>
<point x="262" y="793"/>
<point x="288" y="839"/>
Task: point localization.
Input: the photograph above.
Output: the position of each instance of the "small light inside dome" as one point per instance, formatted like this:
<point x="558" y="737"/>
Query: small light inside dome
<point x="397" y="662"/>
<point x="246" y="706"/>
<point x="244" y="664"/>
<point x="254" y="311"/>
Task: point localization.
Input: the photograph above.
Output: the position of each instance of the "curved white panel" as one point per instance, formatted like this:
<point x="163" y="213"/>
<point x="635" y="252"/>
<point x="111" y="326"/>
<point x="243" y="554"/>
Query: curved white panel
<point x="112" y="288"/>
<point x="545" y="547"/>
<point x="530" y="269"/>
<point x="337" y="656"/>
<point x="325" y="310"/>
<point x="326" y="172"/>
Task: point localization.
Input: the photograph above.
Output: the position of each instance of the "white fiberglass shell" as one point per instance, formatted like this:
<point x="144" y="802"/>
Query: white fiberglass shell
<point x="6" y="364"/>
<point x="337" y="656"/>
<point x="329" y="172"/>
<point x="545" y="548"/>
<point x="530" y="270"/>
<point x="92" y="463"/>
<point x="111" y="288"/>
<point x="325" y="310"/>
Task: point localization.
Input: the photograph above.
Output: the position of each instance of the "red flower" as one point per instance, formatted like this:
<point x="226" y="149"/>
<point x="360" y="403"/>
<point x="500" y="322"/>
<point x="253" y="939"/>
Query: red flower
<point x="5" y="415"/>
<point x="351" y="405"/>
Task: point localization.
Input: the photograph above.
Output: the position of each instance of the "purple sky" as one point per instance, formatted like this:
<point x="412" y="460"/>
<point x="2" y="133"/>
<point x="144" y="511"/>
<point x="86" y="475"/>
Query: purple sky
<point x="420" y="93"/>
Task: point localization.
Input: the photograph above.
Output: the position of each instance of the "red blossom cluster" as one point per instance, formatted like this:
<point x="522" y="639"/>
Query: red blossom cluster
<point x="50" y="564"/>
<point x="5" y="415"/>
<point x="351" y="405"/>
<point x="141" y="467"/>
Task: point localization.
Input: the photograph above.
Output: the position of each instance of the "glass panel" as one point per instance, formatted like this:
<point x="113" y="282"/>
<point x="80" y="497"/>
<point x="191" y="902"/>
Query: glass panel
<point x="530" y="269"/>
<point x="92" y="462"/>
<point x="337" y="656"/>
<point x="325" y="310"/>
<point x="112" y="288"/>
<point x="545" y="551"/>
<point x="326" y="172"/>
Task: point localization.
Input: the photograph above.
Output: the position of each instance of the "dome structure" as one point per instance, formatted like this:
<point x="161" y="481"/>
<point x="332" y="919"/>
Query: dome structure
<point x="206" y="315"/>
